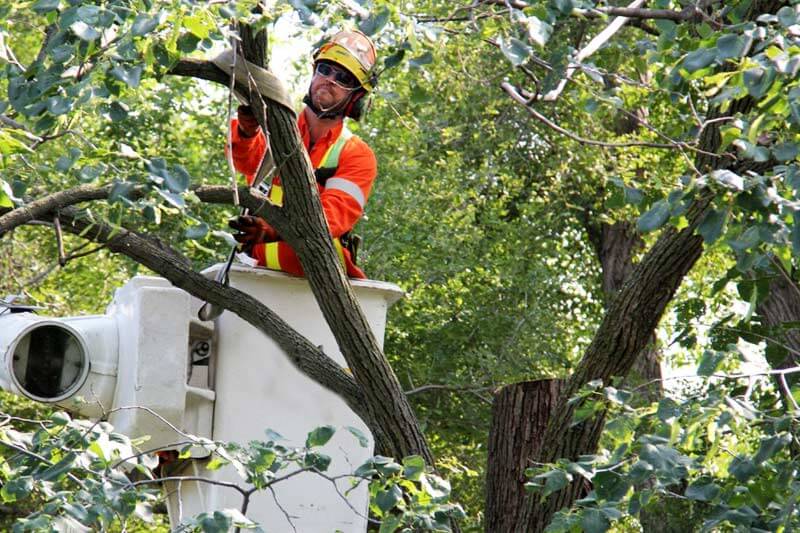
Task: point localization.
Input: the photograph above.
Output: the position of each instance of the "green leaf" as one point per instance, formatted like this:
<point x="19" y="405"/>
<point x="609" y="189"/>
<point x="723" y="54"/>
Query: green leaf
<point x="219" y="522"/>
<point x="375" y="22"/>
<point x="320" y="436"/>
<point x="593" y="521"/>
<point x="59" y="105"/>
<point x="394" y="59"/>
<point x="143" y="24"/>
<point x="318" y="461"/>
<point x="564" y="6"/>
<point x="610" y="486"/>
<point x="120" y="190"/>
<point x="90" y="173"/>
<point x="117" y="111"/>
<point x="414" y="467"/>
<point x="770" y="446"/>
<point x="60" y="418"/>
<point x="176" y="200"/>
<point x="640" y="471"/>
<point x="633" y="196"/>
<point x="363" y="441"/>
<point x="59" y="469"/>
<point x="539" y="31"/>
<point x="16" y="489"/>
<point x="84" y="31"/>
<point x="758" y="80"/>
<point x="656" y="217"/>
<point x="742" y="468"/>
<point x="711" y="227"/>
<point x="6" y="195"/>
<point x="515" y="50"/>
<point x="390" y="523"/>
<point x="419" y="61"/>
<point x="730" y="47"/>
<point x="728" y="179"/>
<point x="750" y="238"/>
<point x="43" y="6"/>
<point x="10" y="144"/>
<point x="554" y="480"/>
<point x="787" y="16"/>
<point x="178" y="180"/>
<point x="196" y="232"/>
<point x="668" y="410"/>
<point x="786" y="151"/>
<point x="187" y="43"/>
<point x="129" y="76"/>
<point x="387" y="499"/>
<point x="702" y="491"/>
<point x="710" y="362"/>
<point x="698" y="59"/>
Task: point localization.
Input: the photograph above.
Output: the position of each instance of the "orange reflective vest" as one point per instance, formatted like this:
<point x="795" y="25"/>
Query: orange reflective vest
<point x="345" y="168"/>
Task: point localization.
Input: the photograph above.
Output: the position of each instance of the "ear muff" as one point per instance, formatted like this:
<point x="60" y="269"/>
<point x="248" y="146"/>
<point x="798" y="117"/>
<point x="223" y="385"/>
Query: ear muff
<point x="357" y="106"/>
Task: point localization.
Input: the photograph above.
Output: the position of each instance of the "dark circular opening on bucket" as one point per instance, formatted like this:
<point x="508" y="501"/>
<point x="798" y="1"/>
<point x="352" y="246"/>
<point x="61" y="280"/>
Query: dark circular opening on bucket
<point x="49" y="363"/>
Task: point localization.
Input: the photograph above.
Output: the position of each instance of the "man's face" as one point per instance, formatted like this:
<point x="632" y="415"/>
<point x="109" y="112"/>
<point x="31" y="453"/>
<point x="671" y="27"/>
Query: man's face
<point x="330" y="85"/>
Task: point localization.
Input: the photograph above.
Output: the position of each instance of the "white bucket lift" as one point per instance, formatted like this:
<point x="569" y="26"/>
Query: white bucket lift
<point x="225" y="381"/>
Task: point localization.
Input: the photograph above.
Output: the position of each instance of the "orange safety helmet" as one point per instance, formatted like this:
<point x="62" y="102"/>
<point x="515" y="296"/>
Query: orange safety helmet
<point x="355" y="52"/>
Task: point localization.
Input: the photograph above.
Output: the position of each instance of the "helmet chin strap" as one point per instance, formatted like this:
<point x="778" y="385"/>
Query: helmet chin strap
<point x="337" y="110"/>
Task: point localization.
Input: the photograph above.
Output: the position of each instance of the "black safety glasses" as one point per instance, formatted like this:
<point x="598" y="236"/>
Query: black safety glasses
<point x="340" y="76"/>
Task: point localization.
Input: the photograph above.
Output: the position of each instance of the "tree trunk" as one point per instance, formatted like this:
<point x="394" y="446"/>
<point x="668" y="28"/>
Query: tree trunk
<point x="519" y="416"/>
<point x="615" y="245"/>
<point x="781" y="306"/>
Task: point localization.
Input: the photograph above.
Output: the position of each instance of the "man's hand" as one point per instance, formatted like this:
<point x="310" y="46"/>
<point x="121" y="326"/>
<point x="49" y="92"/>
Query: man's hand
<point x="248" y="125"/>
<point x="252" y="230"/>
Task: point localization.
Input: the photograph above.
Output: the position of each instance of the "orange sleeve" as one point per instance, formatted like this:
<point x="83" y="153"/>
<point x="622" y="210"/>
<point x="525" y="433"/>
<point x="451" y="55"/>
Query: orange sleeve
<point x="345" y="193"/>
<point x="247" y="151"/>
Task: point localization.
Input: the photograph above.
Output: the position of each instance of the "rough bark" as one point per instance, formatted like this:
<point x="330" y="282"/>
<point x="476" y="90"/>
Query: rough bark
<point x="615" y="246"/>
<point x="519" y="416"/>
<point x="781" y="306"/>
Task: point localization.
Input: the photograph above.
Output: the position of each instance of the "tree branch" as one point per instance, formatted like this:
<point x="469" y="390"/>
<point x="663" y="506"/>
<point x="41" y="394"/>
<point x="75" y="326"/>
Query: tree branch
<point x="171" y="265"/>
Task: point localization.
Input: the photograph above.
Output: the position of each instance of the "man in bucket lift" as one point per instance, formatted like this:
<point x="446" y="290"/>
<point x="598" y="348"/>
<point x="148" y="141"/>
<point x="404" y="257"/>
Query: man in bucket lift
<point x="345" y="167"/>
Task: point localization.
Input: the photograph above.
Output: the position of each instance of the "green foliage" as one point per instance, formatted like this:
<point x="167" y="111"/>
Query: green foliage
<point x="730" y="460"/>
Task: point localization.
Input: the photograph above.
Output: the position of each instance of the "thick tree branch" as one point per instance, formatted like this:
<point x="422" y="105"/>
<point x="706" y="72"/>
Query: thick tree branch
<point x="171" y="265"/>
<point x="689" y="13"/>
<point x="308" y="235"/>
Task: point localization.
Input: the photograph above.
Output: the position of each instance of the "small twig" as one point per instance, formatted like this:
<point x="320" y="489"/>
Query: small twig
<point x="787" y="392"/>
<point x="181" y="479"/>
<point x="282" y="509"/>
<point x="33" y="455"/>
<point x="62" y="257"/>
<point x="449" y="388"/>
<point x="508" y="88"/>
<point x="234" y="45"/>
<point x="782" y="372"/>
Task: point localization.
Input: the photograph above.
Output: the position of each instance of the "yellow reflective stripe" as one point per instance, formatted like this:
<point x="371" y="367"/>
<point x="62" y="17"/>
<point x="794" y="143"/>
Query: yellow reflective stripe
<point x="337" y="243"/>
<point x="331" y="157"/>
<point x="271" y="254"/>
<point x="276" y="194"/>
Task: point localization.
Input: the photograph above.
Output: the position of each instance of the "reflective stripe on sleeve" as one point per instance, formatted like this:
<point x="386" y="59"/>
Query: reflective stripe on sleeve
<point x="337" y="243"/>
<point x="347" y="187"/>
<point x="276" y="194"/>
<point x="271" y="255"/>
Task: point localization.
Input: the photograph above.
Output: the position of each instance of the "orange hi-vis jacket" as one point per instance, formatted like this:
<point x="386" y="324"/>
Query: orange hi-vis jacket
<point x="343" y="194"/>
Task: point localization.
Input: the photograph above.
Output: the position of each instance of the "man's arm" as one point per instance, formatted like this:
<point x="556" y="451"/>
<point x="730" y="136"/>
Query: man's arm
<point x="346" y="192"/>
